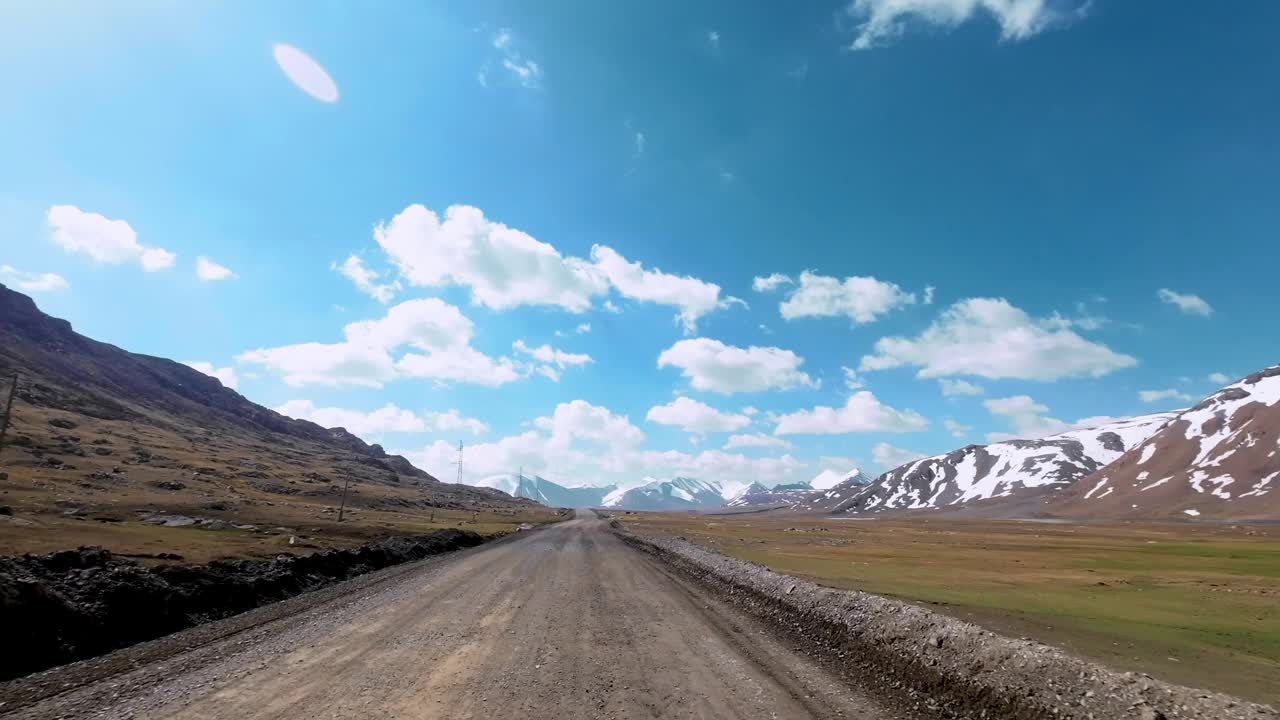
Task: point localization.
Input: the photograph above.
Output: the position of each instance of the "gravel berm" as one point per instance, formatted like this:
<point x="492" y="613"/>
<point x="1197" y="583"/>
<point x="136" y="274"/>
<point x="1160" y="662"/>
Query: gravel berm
<point x="954" y="668"/>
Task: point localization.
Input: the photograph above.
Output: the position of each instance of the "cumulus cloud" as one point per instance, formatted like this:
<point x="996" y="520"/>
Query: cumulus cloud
<point x="305" y="73"/>
<point x="505" y="268"/>
<point x="990" y="338"/>
<point x="1188" y="303"/>
<point x="548" y="354"/>
<point x="696" y="417"/>
<point x="711" y="365"/>
<point x="769" y="283"/>
<point x="1150" y="396"/>
<point x="755" y="440"/>
<point x="861" y="299"/>
<point x="952" y="388"/>
<point x="692" y="297"/>
<point x="210" y="271"/>
<point x="31" y="282"/>
<point x="581" y="443"/>
<point x="106" y="241"/>
<point x="451" y="420"/>
<point x="366" y="280"/>
<point x="1029" y="422"/>
<point x="1218" y="378"/>
<point x="880" y="22"/>
<point x="388" y="418"/>
<point x="888" y="457"/>
<point x="225" y="375"/>
<point x="956" y="429"/>
<point x="862" y="412"/>
<point x="438" y="332"/>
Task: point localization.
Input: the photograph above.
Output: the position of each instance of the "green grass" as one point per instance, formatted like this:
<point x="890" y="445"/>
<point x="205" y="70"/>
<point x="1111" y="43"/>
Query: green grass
<point x="1196" y="605"/>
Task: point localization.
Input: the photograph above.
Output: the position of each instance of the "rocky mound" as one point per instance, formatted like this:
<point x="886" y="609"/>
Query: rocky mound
<point x="74" y="604"/>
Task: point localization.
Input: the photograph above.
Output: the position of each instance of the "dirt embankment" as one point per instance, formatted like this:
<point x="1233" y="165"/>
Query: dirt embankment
<point x="955" y="669"/>
<point x="75" y="604"/>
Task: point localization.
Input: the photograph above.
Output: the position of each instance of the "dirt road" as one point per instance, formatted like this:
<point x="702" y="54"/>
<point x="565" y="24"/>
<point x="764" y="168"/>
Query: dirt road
<point x="564" y="622"/>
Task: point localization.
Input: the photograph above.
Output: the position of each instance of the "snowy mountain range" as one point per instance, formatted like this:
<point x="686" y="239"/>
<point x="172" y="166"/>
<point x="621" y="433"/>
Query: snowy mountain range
<point x="1014" y="470"/>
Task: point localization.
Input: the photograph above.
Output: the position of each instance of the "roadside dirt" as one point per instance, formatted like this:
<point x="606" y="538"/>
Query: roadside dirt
<point x="565" y="622"/>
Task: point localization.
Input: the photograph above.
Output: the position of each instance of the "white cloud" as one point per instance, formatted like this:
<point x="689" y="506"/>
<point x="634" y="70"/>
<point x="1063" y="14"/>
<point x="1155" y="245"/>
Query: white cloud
<point x="388" y="418"/>
<point x="438" y="330"/>
<point x="1028" y="420"/>
<point x="851" y="379"/>
<point x="156" y="259"/>
<point x="31" y="282"/>
<point x="453" y="420"/>
<point x="956" y="429"/>
<point x="523" y="70"/>
<point x="609" y="307"/>
<point x="713" y="39"/>
<point x="770" y="283"/>
<point x="582" y="444"/>
<point x="503" y="267"/>
<point x="991" y="338"/>
<point x="1150" y="396"/>
<point x="106" y="241"/>
<point x="693" y="297"/>
<point x="639" y="143"/>
<point x="695" y="417"/>
<point x="1218" y="378"/>
<point x="583" y="328"/>
<point x="1189" y="304"/>
<point x="928" y="295"/>
<point x="750" y="411"/>
<point x="305" y="73"/>
<point x="861" y="299"/>
<point x="862" y="412"/>
<point x="755" y="440"/>
<point x="712" y="365"/>
<point x="882" y="21"/>
<point x="210" y="271"/>
<point x="548" y="354"/>
<point x="951" y="388"/>
<point x="226" y="375"/>
<point x="888" y="457"/>
<point x="581" y="419"/>
<point x="366" y="280"/>
<point x="551" y="356"/>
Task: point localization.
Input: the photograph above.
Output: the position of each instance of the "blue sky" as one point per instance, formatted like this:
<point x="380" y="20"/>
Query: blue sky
<point x="980" y="217"/>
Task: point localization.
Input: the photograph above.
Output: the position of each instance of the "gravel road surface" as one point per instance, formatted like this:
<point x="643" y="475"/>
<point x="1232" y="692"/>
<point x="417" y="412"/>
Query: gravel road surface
<point x="563" y="622"/>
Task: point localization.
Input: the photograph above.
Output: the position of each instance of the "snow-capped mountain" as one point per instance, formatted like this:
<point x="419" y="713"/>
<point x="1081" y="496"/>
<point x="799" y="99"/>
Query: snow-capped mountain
<point x="756" y="495"/>
<point x="1017" y="470"/>
<point x="679" y="493"/>
<point x="1220" y="459"/>
<point x="828" y="496"/>
<point x="545" y="491"/>
<point x="828" y="479"/>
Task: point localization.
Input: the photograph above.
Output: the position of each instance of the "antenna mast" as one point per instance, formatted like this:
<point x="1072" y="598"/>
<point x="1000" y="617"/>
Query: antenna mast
<point x="459" y="462"/>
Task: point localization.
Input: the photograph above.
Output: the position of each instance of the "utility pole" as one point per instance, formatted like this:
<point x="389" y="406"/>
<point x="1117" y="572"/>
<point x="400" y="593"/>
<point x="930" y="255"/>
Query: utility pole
<point x="8" y="409"/>
<point x="459" y="462"/>
<point x="343" y="506"/>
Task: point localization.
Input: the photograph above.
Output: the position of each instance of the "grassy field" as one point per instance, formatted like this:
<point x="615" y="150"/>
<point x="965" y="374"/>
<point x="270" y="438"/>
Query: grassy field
<point x="1197" y="605"/>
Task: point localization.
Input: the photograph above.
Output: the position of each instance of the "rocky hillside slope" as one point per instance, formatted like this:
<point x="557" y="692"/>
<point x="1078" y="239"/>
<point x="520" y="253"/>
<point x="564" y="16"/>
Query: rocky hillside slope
<point x="677" y="494"/>
<point x="1220" y="459"/>
<point x="832" y="498"/>
<point x="94" y="424"/>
